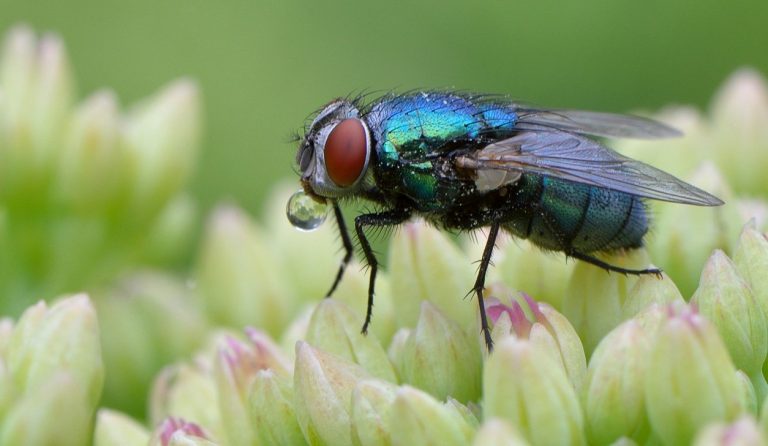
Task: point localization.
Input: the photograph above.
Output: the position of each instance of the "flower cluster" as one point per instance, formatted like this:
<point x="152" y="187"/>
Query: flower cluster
<point x="85" y="190"/>
<point x="581" y="356"/>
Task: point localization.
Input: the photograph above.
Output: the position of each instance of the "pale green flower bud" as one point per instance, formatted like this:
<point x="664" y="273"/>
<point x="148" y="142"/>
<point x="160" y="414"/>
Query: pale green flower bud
<point x="297" y="330"/>
<point x="684" y="236"/>
<point x="397" y="346"/>
<point x="468" y="413"/>
<point x="56" y="411"/>
<point x="614" y="400"/>
<point x="691" y="380"/>
<point x="679" y="156"/>
<point x="372" y="402"/>
<point x="650" y="290"/>
<point x="537" y="273"/>
<point x="524" y="386"/>
<point x="6" y="330"/>
<point x="147" y="321"/>
<point x="335" y="328"/>
<point x="61" y="339"/>
<point x="37" y="91"/>
<point x="236" y="367"/>
<point x="418" y="418"/>
<point x="499" y="433"/>
<point x="91" y="165"/>
<point x="178" y="432"/>
<point x="188" y="392"/>
<point x="116" y="429"/>
<point x="424" y="264"/>
<point x="272" y="413"/>
<point x="440" y="358"/>
<point x="742" y="432"/>
<point x="162" y="136"/>
<point x="739" y="112"/>
<point x="547" y="329"/>
<point x="323" y="385"/>
<point x="594" y="299"/>
<point x="764" y="415"/>
<point x="751" y="259"/>
<point x="726" y="300"/>
<point x="748" y="392"/>
<point x="172" y="234"/>
<point x="236" y="275"/>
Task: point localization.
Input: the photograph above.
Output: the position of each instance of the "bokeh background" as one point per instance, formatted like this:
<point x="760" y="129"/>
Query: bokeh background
<point x="265" y="65"/>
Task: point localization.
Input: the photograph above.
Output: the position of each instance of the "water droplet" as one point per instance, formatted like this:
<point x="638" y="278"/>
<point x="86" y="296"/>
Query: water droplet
<point x="304" y="212"/>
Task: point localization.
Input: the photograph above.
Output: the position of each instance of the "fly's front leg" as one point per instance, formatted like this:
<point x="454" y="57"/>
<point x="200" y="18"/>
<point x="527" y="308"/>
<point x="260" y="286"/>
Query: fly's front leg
<point x="346" y="241"/>
<point x="387" y="218"/>
<point x="480" y="283"/>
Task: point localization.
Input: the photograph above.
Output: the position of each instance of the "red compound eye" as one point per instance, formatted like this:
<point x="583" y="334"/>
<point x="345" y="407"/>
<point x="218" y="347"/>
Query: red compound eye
<point x="345" y="152"/>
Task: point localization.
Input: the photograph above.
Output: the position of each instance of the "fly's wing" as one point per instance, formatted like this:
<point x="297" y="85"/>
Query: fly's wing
<point x="572" y="157"/>
<point x="594" y="123"/>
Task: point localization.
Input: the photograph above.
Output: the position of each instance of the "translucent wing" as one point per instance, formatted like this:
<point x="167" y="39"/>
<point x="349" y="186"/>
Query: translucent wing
<point x="595" y="123"/>
<point x="575" y="158"/>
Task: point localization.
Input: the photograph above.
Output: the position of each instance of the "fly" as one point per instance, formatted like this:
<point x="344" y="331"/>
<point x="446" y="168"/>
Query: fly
<point x="464" y="161"/>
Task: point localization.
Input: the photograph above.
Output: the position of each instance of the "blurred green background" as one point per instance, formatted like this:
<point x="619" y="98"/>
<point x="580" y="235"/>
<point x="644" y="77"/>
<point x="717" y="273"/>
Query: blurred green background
<point x="264" y="65"/>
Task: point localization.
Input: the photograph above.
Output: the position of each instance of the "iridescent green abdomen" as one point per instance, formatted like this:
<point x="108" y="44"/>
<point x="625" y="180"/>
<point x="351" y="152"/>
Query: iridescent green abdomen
<point x="410" y="133"/>
<point x="567" y="216"/>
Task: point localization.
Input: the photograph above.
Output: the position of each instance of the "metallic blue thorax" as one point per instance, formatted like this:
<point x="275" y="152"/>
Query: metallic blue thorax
<point x="411" y="131"/>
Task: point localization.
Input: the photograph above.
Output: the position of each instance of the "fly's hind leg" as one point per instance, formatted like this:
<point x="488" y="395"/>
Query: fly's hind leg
<point x="608" y="267"/>
<point x="480" y="284"/>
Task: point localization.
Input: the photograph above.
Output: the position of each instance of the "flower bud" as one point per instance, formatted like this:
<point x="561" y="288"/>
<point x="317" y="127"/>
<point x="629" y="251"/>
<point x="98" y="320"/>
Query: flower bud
<point x="91" y="166"/>
<point x="498" y="432"/>
<point x="62" y="338"/>
<point x="684" y="236"/>
<point x="173" y="232"/>
<point x="147" y="321"/>
<point x="739" y="113"/>
<point x="549" y="330"/>
<point x="238" y="284"/>
<point x="615" y="379"/>
<point x="425" y="265"/>
<point x="116" y="429"/>
<point x="397" y="346"/>
<point x="691" y="379"/>
<point x="595" y="298"/>
<point x="178" y="432"/>
<point x="162" y="136"/>
<point x="726" y="300"/>
<point x="189" y="392"/>
<point x="764" y="415"/>
<point x="743" y="431"/>
<point x="440" y="358"/>
<point x="751" y="260"/>
<point x="679" y="156"/>
<point x="54" y="411"/>
<point x="748" y="392"/>
<point x="272" y="414"/>
<point x="235" y="371"/>
<point x="535" y="272"/>
<point x="650" y="290"/>
<point x="37" y="88"/>
<point x="335" y="328"/>
<point x="371" y="408"/>
<point x="297" y="330"/>
<point x="323" y="385"/>
<point x="418" y="418"/>
<point x="524" y="386"/>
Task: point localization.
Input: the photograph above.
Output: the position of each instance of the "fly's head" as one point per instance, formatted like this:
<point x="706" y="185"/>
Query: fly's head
<point x="334" y="155"/>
